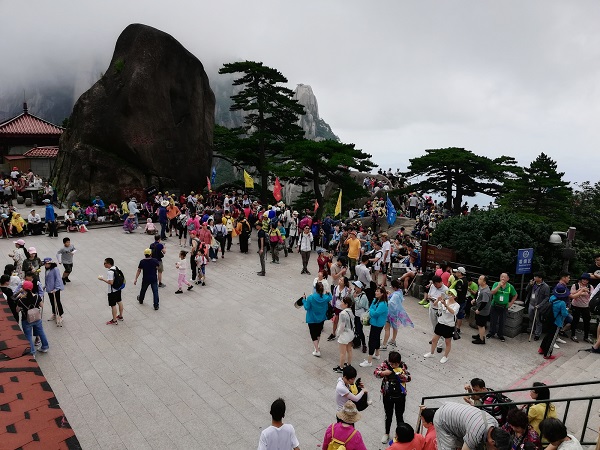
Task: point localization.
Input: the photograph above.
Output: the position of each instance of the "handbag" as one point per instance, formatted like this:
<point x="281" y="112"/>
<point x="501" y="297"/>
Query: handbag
<point x="366" y="319"/>
<point x="33" y="315"/>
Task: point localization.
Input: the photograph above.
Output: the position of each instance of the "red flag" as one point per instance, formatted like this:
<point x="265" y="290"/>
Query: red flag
<point x="316" y="206"/>
<point x="208" y="183"/>
<point x="277" y="190"/>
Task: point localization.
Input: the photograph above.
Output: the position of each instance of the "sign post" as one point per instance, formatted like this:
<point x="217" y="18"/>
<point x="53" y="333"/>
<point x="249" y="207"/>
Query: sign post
<point x="524" y="265"/>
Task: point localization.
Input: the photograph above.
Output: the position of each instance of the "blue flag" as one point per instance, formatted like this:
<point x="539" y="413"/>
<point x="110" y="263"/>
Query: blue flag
<point x="391" y="212"/>
<point x="213" y="175"/>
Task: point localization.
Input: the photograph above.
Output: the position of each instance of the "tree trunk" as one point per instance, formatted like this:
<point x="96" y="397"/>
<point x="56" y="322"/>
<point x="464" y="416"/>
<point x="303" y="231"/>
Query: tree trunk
<point x="318" y="196"/>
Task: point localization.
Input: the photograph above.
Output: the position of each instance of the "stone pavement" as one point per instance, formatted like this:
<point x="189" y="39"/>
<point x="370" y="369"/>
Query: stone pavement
<point x="201" y="372"/>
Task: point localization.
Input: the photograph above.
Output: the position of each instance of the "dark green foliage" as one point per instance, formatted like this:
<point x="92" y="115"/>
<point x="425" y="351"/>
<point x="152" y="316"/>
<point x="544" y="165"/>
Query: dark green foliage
<point x="317" y="162"/>
<point x="457" y="173"/>
<point x="539" y="191"/>
<point x="119" y="65"/>
<point x="270" y="120"/>
<point x="490" y="239"/>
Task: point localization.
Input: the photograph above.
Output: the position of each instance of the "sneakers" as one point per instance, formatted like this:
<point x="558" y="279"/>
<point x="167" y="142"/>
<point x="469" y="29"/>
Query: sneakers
<point x="550" y="357"/>
<point x="156" y="308"/>
<point x="595" y="350"/>
<point x="588" y="340"/>
<point x="439" y="349"/>
<point x="456" y="336"/>
<point x="574" y="339"/>
<point x="316" y="353"/>
<point x="140" y="301"/>
<point x="190" y="287"/>
<point x="260" y="274"/>
<point x="44" y="350"/>
<point x="478" y="340"/>
<point x="203" y="283"/>
<point x="338" y="369"/>
<point x="444" y="360"/>
<point x="364" y="349"/>
<point x="376" y="357"/>
<point x="423" y="302"/>
<point x="331" y="337"/>
<point x="213" y="260"/>
<point x="366" y="363"/>
<point x="428" y="355"/>
<point x="385" y="438"/>
<point x="489" y="336"/>
<point x="383" y="348"/>
<point x="161" y="285"/>
<point x="536" y="338"/>
<point x="561" y="341"/>
<point x="502" y="339"/>
<point x="392" y="344"/>
<point x="52" y="317"/>
<point x="556" y="346"/>
<point x="120" y="317"/>
<point x="112" y="322"/>
<point x="540" y="351"/>
<point x="179" y="291"/>
<point x="427" y="305"/>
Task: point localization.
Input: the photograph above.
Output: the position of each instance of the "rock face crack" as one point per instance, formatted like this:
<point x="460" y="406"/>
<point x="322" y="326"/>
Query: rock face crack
<point x="148" y="120"/>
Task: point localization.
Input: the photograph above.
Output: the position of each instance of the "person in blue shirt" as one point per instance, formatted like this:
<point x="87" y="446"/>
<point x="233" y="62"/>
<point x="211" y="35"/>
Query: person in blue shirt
<point x="561" y="315"/>
<point x="378" y="313"/>
<point x="50" y="219"/>
<point x="162" y="219"/>
<point x="316" y="314"/>
<point x="100" y="205"/>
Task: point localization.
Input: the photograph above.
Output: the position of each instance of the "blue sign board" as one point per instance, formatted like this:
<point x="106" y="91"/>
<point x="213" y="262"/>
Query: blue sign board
<point x="524" y="260"/>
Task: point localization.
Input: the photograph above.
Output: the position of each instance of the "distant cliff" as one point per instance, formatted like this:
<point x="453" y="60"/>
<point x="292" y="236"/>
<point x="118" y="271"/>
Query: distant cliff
<point x="314" y="127"/>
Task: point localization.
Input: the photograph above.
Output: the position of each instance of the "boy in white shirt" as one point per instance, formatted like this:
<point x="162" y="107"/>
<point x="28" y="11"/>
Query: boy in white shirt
<point x="278" y="436"/>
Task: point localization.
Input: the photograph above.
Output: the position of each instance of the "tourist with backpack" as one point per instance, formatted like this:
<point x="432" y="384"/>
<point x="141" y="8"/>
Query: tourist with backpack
<point x="342" y="435"/>
<point x="116" y="282"/>
<point x="394" y="375"/>
<point x="580" y="307"/>
<point x="554" y="319"/>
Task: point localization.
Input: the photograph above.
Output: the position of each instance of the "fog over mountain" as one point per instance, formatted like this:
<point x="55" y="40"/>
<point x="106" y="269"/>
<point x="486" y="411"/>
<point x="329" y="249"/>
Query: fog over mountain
<point x="395" y="78"/>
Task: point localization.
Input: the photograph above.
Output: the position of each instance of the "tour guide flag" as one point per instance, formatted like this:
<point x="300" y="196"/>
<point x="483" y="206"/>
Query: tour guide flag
<point x="248" y="181"/>
<point x="338" y="207"/>
<point x="213" y="175"/>
<point x="316" y="206"/>
<point x="391" y="212"/>
<point x="277" y="189"/>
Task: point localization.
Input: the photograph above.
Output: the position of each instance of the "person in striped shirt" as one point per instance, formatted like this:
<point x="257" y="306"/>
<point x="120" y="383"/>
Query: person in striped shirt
<point x="468" y="428"/>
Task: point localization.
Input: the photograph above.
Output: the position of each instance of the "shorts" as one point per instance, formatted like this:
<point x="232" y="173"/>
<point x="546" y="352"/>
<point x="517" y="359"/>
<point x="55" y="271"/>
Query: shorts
<point x="480" y="320"/>
<point x="315" y="330"/>
<point x="160" y="266"/>
<point x="445" y="331"/>
<point x="114" y="298"/>
<point x="384" y="268"/>
<point x="68" y="267"/>
<point x="461" y="311"/>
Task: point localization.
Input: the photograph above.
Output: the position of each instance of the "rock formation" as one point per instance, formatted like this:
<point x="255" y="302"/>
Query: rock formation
<point x="148" y="121"/>
<point x="314" y="127"/>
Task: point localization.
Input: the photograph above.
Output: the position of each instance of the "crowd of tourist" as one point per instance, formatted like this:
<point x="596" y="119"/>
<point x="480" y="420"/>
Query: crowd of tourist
<point x="353" y="288"/>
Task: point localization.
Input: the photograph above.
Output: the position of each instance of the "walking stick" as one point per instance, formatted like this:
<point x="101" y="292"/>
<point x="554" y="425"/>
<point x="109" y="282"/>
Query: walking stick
<point x="54" y="306"/>
<point x="554" y="340"/>
<point x="533" y="323"/>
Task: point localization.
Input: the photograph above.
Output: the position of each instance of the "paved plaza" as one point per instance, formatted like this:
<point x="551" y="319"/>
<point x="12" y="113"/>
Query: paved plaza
<point x="201" y="372"/>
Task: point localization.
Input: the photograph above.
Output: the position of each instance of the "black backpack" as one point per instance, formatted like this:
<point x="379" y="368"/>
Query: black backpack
<point x="595" y="304"/>
<point x="545" y="310"/>
<point x="494" y="404"/>
<point x="118" y="279"/>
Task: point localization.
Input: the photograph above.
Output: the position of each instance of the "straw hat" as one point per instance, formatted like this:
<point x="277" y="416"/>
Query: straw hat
<point x="349" y="413"/>
<point x="164" y="203"/>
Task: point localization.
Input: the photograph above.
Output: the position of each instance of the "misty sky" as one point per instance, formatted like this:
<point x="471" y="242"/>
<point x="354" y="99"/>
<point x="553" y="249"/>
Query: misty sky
<point x="393" y="77"/>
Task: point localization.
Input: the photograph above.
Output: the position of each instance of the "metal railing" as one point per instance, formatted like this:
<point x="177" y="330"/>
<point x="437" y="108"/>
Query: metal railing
<point x="568" y="400"/>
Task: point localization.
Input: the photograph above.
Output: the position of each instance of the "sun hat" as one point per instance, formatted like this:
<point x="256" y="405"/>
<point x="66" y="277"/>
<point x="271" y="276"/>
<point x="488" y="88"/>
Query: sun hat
<point x="147" y="251"/>
<point x="27" y="285"/>
<point x="452" y="292"/>
<point x="20" y="242"/>
<point x="349" y="413"/>
<point x="32" y="250"/>
<point x="295" y="213"/>
<point x="164" y="203"/>
<point x="46" y="201"/>
<point x="560" y="291"/>
<point x="358" y="284"/>
<point x="461" y="270"/>
<point x="48" y="261"/>
<point x="319" y="251"/>
<point x="584" y="276"/>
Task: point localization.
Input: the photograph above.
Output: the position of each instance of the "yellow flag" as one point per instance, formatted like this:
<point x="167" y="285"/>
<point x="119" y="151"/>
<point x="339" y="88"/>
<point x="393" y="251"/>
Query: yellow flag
<point x="338" y="207"/>
<point x="248" y="181"/>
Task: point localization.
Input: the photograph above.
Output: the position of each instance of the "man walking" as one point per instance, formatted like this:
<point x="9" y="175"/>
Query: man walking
<point x="114" y="292"/>
<point x="305" y="247"/>
<point x="148" y="267"/>
<point x="278" y="435"/>
<point x="158" y="252"/>
<point x="537" y="293"/>
<point x="483" y="305"/>
<point x="262" y="239"/>
<point x="504" y="295"/>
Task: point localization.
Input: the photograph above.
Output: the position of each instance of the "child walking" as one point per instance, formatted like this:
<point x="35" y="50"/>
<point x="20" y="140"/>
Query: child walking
<point x="64" y="256"/>
<point x="181" y="266"/>
<point x="201" y="262"/>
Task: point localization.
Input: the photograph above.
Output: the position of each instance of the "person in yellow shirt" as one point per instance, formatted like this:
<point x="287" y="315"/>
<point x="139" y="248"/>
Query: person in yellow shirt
<point x="541" y="393"/>
<point x="228" y="222"/>
<point x="17" y="224"/>
<point x="353" y="244"/>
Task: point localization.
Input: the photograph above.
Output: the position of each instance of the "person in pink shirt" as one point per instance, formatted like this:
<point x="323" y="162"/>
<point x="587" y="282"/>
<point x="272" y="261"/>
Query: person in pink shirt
<point x="406" y="439"/>
<point x="343" y="431"/>
<point x="446" y="275"/>
<point x="427" y="421"/>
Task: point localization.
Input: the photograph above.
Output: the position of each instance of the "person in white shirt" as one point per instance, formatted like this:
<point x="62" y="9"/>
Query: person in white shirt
<point x="305" y="247"/>
<point x="437" y="290"/>
<point x="133" y="209"/>
<point x="386" y="248"/>
<point x="278" y="436"/>
<point x="34" y="223"/>
<point x="447" y="310"/>
<point x="555" y="432"/>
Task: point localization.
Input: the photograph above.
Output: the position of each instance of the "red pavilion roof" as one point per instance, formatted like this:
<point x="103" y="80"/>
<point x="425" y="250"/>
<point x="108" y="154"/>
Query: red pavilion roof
<point x="28" y="124"/>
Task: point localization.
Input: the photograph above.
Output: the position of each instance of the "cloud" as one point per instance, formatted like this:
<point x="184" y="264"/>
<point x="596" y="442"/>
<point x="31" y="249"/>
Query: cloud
<point x="393" y="77"/>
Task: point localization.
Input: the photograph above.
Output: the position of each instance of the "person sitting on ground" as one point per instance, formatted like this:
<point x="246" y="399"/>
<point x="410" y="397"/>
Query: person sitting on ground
<point x="278" y="435"/>
<point x="406" y="439"/>
<point x="129" y="224"/>
<point x="343" y="432"/>
<point x="520" y="431"/>
<point x="556" y="433"/>
<point x="17" y="225"/>
<point x="150" y="227"/>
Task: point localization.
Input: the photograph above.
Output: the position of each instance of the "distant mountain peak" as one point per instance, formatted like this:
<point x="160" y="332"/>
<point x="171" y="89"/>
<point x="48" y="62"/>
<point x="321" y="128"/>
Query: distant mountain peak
<point x="314" y="127"/>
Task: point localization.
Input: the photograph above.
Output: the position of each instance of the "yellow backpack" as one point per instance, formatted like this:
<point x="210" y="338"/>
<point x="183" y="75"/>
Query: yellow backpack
<point x="336" y="444"/>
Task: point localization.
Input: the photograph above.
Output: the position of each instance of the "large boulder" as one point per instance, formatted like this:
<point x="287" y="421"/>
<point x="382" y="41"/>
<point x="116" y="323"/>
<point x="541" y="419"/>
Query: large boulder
<point x="148" y="121"/>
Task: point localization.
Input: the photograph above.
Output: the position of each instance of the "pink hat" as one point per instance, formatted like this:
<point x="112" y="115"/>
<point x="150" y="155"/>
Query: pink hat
<point x="20" y="242"/>
<point x="32" y="250"/>
<point x="27" y="285"/>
